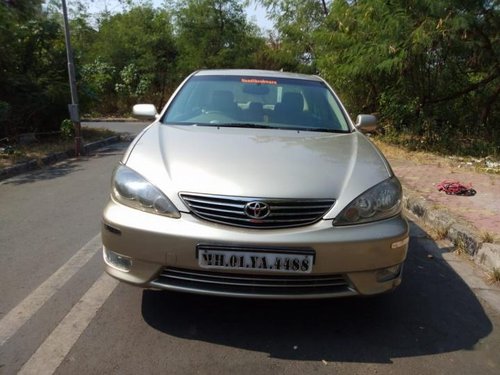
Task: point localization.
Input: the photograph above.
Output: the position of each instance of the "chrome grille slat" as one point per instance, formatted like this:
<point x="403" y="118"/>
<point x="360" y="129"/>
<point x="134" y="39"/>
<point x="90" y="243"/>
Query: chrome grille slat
<point x="181" y="274"/>
<point x="261" y="284"/>
<point x="246" y="219"/>
<point x="171" y="272"/>
<point x="216" y="209"/>
<point x="216" y="203"/>
<point x="314" y="214"/>
<point x="207" y="210"/>
<point x="229" y="210"/>
<point x="221" y="217"/>
<point x="300" y="207"/>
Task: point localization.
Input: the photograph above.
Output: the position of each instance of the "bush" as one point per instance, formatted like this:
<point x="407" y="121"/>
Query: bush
<point x="67" y="129"/>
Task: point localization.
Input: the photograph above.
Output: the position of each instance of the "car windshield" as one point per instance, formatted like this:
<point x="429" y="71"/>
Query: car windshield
<point x="260" y="102"/>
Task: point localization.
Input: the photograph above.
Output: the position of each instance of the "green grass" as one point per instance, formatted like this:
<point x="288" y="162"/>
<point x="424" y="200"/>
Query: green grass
<point x="460" y="247"/>
<point x="439" y="233"/>
<point x="487" y="237"/>
<point x="494" y="275"/>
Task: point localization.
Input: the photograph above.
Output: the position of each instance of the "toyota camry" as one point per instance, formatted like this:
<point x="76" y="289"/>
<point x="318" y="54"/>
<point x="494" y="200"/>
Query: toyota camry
<point x="255" y="184"/>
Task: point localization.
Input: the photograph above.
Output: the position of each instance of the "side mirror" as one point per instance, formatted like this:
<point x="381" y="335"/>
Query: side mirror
<point x="145" y="112"/>
<point x="366" y="123"/>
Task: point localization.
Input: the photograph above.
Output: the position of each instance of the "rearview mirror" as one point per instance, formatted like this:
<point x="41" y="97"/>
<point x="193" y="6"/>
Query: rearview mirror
<point x="145" y="111"/>
<point x="366" y="123"/>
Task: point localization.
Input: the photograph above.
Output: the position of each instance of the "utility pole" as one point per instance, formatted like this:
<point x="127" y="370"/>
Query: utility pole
<point x="73" y="107"/>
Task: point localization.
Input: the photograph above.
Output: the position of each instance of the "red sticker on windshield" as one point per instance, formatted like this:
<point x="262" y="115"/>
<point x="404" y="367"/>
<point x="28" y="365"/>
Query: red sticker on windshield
<point x="259" y="81"/>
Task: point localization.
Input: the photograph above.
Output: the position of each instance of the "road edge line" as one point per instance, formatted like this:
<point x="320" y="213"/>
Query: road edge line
<point x="25" y="310"/>
<point x="58" y="344"/>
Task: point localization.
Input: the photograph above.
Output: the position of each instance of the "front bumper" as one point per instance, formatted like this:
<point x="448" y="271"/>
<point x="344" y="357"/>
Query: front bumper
<point x="350" y="260"/>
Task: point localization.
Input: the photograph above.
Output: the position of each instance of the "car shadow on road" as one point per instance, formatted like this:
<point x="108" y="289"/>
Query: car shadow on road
<point x="432" y="312"/>
<point x="46" y="173"/>
<point x="63" y="168"/>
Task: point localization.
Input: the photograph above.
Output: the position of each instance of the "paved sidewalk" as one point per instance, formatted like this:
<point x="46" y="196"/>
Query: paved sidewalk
<point x="472" y="223"/>
<point x="481" y="210"/>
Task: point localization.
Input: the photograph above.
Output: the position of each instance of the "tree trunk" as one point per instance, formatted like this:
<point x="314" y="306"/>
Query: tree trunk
<point x="485" y="113"/>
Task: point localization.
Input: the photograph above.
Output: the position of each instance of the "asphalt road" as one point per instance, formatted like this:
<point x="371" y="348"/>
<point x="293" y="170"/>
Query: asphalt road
<point x="60" y="314"/>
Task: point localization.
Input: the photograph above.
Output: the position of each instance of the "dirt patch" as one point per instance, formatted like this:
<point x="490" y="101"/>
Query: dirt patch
<point x="487" y="165"/>
<point x="13" y="153"/>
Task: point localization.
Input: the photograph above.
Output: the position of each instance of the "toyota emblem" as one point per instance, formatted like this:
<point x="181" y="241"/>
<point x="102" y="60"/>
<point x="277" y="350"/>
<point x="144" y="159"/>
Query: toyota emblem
<point x="257" y="210"/>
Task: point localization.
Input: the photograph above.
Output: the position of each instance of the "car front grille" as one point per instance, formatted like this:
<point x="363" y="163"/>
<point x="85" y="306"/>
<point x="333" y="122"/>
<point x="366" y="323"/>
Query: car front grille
<point x="283" y="213"/>
<point x="241" y="285"/>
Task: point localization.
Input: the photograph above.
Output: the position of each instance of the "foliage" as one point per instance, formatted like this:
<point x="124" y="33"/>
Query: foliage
<point x="67" y="129"/>
<point x="429" y="69"/>
<point x="494" y="275"/>
<point x="32" y="61"/>
<point x="143" y="53"/>
<point x="214" y="34"/>
<point x="297" y="22"/>
<point x="130" y="58"/>
<point x="4" y="112"/>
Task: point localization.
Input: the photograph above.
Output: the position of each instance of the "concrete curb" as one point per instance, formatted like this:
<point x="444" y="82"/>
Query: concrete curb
<point x="464" y="235"/>
<point x="90" y="147"/>
<point x="54" y="158"/>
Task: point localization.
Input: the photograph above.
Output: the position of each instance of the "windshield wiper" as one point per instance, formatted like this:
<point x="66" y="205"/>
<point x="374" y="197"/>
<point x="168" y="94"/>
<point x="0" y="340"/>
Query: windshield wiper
<point x="249" y="125"/>
<point x="325" y="130"/>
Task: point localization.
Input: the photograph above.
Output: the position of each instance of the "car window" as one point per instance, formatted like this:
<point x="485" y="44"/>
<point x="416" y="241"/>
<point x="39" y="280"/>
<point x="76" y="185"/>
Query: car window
<point x="259" y="101"/>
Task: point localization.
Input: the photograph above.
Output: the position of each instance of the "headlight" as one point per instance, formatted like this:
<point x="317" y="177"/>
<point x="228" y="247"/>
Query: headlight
<point x="379" y="202"/>
<point x="131" y="189"/>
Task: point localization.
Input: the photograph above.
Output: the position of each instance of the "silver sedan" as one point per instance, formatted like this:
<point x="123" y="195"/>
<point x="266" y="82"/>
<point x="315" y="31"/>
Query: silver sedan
<point x="255" y="184"/>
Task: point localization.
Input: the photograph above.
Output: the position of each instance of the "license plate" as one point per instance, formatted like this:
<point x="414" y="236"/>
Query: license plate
<point x="255" y="260"/>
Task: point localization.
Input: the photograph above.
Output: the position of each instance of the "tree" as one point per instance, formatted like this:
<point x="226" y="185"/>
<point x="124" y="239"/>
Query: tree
<point x="131" y="57"/>
<point x="297" y="22"/>
<point x="430" y="68"/>
<point x="33" y="80"/>
<point x="215" y="34"/>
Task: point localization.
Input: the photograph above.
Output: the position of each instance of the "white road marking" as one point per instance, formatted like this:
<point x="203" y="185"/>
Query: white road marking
<point x="20" y="314"/>
<point x="54" y="349"/>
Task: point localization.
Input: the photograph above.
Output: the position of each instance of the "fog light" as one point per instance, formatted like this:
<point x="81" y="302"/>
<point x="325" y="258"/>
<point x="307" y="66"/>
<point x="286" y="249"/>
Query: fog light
<point x="389" y="273"/>
<point x="120" y="262"/>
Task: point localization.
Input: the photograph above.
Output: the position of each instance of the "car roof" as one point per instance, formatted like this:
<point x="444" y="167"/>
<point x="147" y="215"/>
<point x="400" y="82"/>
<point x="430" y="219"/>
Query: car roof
<point x="256" y="73"/>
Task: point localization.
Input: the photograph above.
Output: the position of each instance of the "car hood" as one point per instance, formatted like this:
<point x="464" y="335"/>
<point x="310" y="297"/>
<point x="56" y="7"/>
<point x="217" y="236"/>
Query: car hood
<point x="261" y="163"/>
